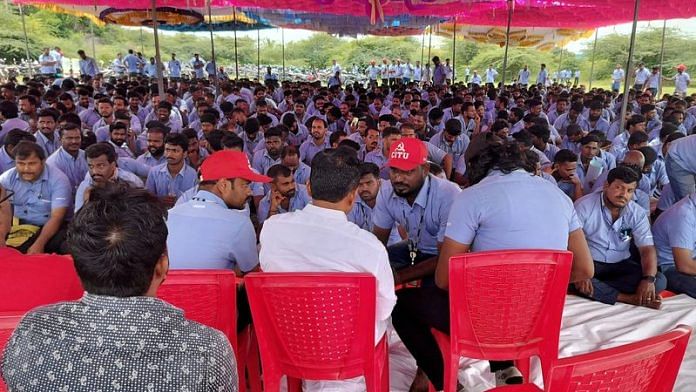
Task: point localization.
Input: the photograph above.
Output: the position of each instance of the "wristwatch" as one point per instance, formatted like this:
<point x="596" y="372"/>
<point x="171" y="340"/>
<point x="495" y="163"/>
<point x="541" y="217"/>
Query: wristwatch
<point x="649" y="278"/>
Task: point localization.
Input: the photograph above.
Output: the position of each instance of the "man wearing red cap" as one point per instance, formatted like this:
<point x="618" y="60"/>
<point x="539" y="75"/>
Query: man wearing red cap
<point x="681" y="80"/>
<point x="419" y="203"/>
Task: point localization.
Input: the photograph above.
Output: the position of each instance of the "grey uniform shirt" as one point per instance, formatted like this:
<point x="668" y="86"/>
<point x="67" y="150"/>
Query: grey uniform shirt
<point x="102" y="343"/>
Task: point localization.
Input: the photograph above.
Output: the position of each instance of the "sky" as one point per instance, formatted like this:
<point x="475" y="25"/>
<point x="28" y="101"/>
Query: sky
<point x="686" y="25"/>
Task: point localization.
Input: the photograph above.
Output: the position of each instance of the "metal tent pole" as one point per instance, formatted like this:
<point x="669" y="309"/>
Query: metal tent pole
<point x="91" y="31"/>
<point x="158" y="57"/>
<point x="662" y="55"/>
<point x="507" y="38"/>
<point x="26" y="40"/>
<point x="594" y="49"/>
<point x="216" y="80"/>
<point x="282" y="42"/>
<point x="422" y="51"/>
<point x="631" y="47"/>
<point x="236" y="61"/>
<point x="258" y="54"/>
<point x="430" y="44"/>
<point x="454" y="49"/>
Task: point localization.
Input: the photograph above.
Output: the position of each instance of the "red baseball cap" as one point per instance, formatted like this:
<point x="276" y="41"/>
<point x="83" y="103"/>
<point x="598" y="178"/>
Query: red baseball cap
<point x="229" y="164"/>
<point x="407" y="154"/>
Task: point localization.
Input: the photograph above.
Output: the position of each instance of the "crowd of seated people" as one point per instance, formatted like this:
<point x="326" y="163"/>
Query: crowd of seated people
<point x="391" y="180"/>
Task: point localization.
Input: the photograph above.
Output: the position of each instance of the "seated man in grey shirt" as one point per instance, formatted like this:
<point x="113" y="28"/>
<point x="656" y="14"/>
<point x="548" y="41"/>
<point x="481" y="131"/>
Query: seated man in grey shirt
<point x="119" y="336"/>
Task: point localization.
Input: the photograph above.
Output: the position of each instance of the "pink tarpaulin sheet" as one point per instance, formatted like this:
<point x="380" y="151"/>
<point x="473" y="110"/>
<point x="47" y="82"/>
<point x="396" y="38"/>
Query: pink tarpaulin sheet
<point x="527" y="13"/>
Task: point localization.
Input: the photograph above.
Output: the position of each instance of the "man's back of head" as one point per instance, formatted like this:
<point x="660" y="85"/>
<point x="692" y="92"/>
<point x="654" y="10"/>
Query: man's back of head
<point x="334" y="178"/>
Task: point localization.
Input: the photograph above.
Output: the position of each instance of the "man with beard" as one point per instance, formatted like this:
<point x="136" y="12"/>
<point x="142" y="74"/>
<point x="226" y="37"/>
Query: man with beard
<point x="284" y="196"/>
<point x="379" y="157"/>
<point x="451" y="140"/>
<point x="212" y="231"/>
<point x="573" y="117"/>
<point x="290" y="158"/>
<point x="41" y="195"/>
<point x="611" y="222"/>
<point x="7" y="160"/>
<point x="620" y="143"/>
<point x="370" y="144"/>
<point x="419" y="203"/>
<point x="369" y="187"/>
<point x="47" y="137"/>
<point x="318" y="141"/>
<point x="594" y="116"/>
<point x="269" y="156"/>
<point x="118" y="138"/>
<point x="169" y="180"/>
<point x="560" y="109"/>
<point x="105" y="108"/>
<point x="156" y="131"/>
<point x="103" y="169"/>
<point x="69" y="158"/>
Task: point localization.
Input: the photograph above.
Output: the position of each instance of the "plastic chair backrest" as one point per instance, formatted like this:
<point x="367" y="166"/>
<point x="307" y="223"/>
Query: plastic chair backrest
<point x="507" y="305"/>
<point x="8" y="323"/>
<point x="206" y="296"/>
<point x="28" y="281"/>
<point x="318" y="326"/>
<point x="649" y="365"/>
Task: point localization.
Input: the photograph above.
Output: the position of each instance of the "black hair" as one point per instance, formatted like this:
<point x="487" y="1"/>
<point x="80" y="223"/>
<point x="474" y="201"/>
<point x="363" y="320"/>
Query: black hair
<point x="54" y="114"/>
<point x="638" y="138"/>
<point x="626" y="174"/>
<point x="523" y="137"/>
<point x="69" y="127"/>
<point x="26" y="149"/>
<point x="251" y="126"/>
<point x="190" y="133"/>
<point x="177" y="139"/>
<point x="649" y="153"/>
<point x="208" y="118"/>
<point x="273" y="132"/>
<point x="278" y="170"/>
<point x="102" y="148"/>
<point x="674" y="136"/>
<point x="565" y="155"/>
<point x="116" y="240"/>
<point x="370" y="168"/>
<point x="17" y="135"/>
<point x="335" y="174"/>
<point x="336" y="136"/>
<point x="635" y="119"/>
<point x="117" y="125"/>
<point x="540" y="131"/>
<point x="498" y="125"/>
<point x="453" y="126"/>
<point x="9" y="109"/>
<point x="289" y="150"/>
<point x="505" y="157"/>
<point x="350" y="143"/>
<point x="587" y="139"/>
<point x="226" y="140"/>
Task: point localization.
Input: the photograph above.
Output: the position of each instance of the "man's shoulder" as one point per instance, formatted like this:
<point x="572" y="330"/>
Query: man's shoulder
<point x="587" y="201"/>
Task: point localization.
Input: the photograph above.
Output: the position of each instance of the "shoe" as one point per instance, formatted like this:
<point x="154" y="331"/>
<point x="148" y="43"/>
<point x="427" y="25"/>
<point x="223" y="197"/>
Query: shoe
<point x="508" y="376"/>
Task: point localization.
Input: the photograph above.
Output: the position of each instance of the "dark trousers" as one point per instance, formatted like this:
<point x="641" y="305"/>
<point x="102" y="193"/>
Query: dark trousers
<point x="418" y="310"/>
<point x="611" y="279"/>
<point x="399" y="258"/>
<point x="55" y="245"/>
<point x="243" y="311"/>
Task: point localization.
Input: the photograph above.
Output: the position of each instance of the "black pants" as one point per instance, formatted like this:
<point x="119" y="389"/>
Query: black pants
<point x="243" y="311"/>
<point x="55" y="245"/>
<point x="416" y="312"/>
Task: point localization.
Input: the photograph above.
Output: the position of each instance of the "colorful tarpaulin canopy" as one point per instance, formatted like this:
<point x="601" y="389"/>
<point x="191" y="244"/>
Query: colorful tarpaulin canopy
<point x="574" y="14"/>
<point x="539" y="38"/>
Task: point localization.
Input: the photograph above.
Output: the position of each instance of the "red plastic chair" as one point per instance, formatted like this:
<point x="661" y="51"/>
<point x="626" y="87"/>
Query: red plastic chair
<point x="210" y="298"/>
<point x="505" y="305"/>
<point x="28" y="281"/>
<point x="8" y="323"/>
<point x="317" y="326"/>
<point x="649" y="365"/>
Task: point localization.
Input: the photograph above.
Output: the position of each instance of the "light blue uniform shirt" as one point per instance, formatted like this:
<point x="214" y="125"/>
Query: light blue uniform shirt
<point x="297" y="202"/>
<point x="676" y="228"/>
<point x="149" y="160"/>
<point x="361" y="214"/>
<point x="160" y="183"/>
<point x="132" y="62"/>
<point x="6" y="161"/>
<point x="456" y="149"/>
<point x="49" y="146"/>
<point x="174" y="68"/>
<point x="503" y="212"/>
<point x="33" y="202"/>
<point x="262" y="161"/>
<point x="89" y="117"/>
<point x="610" y="242"/>
<point x="426" y="220"/>
<point x="121" y="175"/>
<point x="205" y="234"/>
<point x="682" y="152"/>
<point x="129" y="164"/>
<point x="378" y="158"/>
<point x="74" y="168"/>
<point x="308" y="149"/>
<point x="88" y="67"/>
<point x="302" y="173"/>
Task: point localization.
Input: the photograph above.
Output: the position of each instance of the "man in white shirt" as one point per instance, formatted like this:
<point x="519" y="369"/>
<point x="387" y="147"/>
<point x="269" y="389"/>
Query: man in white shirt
<point x="118" y="66"/>
<point x="417" y="72"/>
<point x="491" y="74"/>
<point x="57" y="54"/>
<point x="681" y="80"/>
<point x="467" y="74"/>
<point x="47" y="63"/>
<point x="523" y="76"/>
<point x="641" y="76"/>
<point x="174" y="67"/>
<point x="319" y="238"/>
<point x="198" y="64"/>
<point x="617" y="76"/>
<point x="335" y="67"/>
<point x="543" y="75"/>
<point x="449" y="73"/>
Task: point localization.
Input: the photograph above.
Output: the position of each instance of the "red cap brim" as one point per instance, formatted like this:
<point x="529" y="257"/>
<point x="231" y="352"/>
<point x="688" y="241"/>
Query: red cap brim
<point x="402" y="165"/>
<point x="253" y="177"/>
